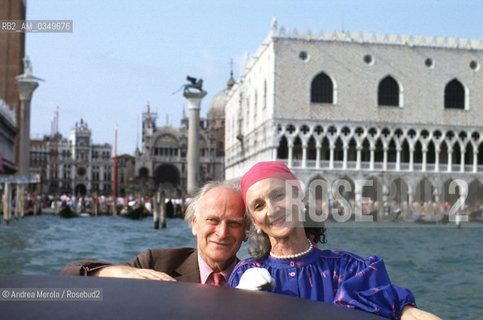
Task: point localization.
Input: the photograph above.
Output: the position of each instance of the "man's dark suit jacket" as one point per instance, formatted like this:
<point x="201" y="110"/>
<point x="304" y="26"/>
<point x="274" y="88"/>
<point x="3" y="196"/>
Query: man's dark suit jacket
<point x="179" y="263"/>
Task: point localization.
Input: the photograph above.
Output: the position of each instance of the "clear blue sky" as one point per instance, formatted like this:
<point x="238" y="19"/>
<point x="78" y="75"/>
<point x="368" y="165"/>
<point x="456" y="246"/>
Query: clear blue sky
<point x="125" y="53"/>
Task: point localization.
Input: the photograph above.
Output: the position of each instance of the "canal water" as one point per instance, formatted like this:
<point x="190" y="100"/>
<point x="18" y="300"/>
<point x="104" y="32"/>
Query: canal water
<point x="442" y="265"/>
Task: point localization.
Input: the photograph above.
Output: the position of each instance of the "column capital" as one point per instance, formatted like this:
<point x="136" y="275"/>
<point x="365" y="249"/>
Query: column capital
<point x="26" y="82"/>
<point x="26" y="88"/>
<point x="194" y="99"/>
<point x="194" y="95"/>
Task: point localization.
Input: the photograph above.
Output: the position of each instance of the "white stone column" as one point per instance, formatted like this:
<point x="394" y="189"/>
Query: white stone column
<point x="304" y="154"/>
<point x="274" y="153"/>
<point x="411" y="158"/>
<point x="371" y="163"/>
<point x="358" y="159"/>
<point x="26" y="84"/>
<point x="317" y="156"/>
<point x="193" y="156"/>
<point x="331" y="158"/>
<point x="436" y="160"/>
<point x="398" y="158"/>
<point x="450" y="160"/>
<point x="423" y="169"/>
<point x="344" y="162"/>
<point x="475" y="161"/>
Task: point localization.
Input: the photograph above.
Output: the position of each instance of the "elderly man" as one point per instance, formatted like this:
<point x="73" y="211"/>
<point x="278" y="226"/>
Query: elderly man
<point x="217" y="218"/>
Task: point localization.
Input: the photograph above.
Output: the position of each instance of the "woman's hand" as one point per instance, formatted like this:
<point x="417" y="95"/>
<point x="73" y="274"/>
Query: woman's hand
<point x="412" y="313"/>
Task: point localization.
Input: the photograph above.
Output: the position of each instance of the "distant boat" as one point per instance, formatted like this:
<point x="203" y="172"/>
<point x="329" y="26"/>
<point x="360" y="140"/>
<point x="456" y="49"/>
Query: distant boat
<point x="134" y="213"/>
<point x="476" y="216"/>
<point x="432" y="219"/>
<point x="67" y="212"/>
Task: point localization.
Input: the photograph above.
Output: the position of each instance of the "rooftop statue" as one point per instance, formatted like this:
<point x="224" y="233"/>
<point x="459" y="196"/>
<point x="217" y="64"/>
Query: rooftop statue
<point x="27" y="66"/>
<point x="193" y="83"/>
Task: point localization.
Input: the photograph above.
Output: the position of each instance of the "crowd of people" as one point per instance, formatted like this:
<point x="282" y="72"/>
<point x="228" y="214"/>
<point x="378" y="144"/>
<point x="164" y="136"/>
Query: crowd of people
<point x="96" y="205"/>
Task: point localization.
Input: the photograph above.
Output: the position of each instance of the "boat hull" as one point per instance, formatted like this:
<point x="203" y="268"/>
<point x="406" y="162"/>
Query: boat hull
<point x="149" y="299"/>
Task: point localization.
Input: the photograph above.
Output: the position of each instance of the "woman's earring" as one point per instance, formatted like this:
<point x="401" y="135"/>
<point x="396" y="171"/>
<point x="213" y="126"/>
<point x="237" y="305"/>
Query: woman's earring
<point x="259" y="231"/>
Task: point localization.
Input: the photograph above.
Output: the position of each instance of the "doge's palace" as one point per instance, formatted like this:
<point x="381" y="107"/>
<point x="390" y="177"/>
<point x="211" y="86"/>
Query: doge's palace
<point x="400" y="118"/>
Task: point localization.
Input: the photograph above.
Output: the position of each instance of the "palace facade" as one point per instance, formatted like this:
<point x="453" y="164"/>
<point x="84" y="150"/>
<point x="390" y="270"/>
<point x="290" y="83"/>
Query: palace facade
<point x="399" y="118"/>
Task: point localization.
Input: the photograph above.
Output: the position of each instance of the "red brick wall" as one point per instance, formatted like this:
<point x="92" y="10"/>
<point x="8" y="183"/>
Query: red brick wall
<point x="12" y="51"/>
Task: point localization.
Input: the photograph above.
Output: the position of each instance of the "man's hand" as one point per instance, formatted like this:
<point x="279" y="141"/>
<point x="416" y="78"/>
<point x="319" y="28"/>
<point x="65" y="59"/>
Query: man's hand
<point x="130" y="272"/>
<point x="412" y="313"/>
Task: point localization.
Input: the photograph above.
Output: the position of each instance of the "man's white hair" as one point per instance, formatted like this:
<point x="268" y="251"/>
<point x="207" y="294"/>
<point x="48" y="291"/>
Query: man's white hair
<point x="193" y="207"/>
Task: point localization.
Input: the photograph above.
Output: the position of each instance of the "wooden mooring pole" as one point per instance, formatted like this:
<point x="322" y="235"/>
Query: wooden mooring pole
<point x="159" y="212"/>
<point x="7" y="203"/>
<point x="156" y="200"/>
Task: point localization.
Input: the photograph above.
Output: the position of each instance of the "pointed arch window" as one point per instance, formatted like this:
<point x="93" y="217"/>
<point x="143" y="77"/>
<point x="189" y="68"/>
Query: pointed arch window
<point x="282" y="150"/>
<point x="454" y="95"/>
<point x="312" y="149"/>
<point x="388" y="92"/>
<point x="322" y="89"/>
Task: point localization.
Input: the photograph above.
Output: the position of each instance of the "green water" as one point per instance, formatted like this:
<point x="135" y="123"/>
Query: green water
<point x="441" y="265"/>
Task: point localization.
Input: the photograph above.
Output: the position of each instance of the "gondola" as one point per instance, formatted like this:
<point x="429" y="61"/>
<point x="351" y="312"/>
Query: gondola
<point x="67" y="212"/>
<point x="112" y="298"/>
<point x="134" y="213"/>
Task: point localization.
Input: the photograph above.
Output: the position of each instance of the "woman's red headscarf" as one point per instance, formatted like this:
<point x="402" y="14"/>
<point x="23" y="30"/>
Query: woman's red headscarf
<point x="264" y="170"/>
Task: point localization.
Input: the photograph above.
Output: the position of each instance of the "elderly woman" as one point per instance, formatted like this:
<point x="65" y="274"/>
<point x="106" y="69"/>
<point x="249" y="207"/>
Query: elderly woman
<point x="275" y="203"/>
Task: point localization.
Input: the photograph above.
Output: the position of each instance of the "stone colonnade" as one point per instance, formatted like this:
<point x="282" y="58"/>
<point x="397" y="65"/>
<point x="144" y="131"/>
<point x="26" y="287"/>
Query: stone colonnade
<point x="383" y="147"/>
